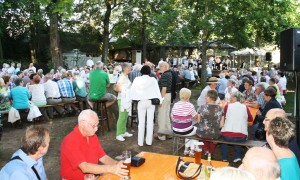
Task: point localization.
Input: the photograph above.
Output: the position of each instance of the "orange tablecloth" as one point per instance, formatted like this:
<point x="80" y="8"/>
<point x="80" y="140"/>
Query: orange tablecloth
<point x="253" y="112"/>
<point x="158" y="166"/>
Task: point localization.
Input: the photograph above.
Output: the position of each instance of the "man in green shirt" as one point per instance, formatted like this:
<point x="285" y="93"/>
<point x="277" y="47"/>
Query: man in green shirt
<point x="99" y="81"/>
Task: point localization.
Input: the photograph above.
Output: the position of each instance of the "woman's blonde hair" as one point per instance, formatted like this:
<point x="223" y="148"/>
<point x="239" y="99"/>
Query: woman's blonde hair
<point x="185" y="94"/>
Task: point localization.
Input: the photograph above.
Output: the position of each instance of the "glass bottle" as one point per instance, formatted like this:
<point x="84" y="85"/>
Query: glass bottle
<point x="208" y="167"/>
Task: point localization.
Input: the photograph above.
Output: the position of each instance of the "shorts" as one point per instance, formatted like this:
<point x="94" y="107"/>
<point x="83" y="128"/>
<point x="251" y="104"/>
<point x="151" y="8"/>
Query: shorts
<point x="106" y="97"/>
<point x="80" y="98"/>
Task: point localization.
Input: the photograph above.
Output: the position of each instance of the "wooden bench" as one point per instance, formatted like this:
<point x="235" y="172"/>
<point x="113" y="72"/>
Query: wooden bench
<point x="177" y="145"/>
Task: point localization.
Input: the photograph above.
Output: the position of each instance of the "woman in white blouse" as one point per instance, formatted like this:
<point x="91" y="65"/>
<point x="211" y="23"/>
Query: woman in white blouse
<point x="143" y="89"/>
<point x="230" y="89"/>
<point x="124" y="101"/>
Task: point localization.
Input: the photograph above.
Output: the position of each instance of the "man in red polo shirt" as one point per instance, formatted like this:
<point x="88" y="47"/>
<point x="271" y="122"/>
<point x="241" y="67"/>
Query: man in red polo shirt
<point x="81" y="151"/>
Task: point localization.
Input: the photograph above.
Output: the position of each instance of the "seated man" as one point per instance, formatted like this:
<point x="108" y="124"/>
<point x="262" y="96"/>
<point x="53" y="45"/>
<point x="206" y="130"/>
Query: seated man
<point x="81" y="151"/>
<point x="262" y="163"/>
<point x="279" y="132"/>
<point x="80" y="90"/>
<point x="27" y="162"/>
<point x="99" y="81"/>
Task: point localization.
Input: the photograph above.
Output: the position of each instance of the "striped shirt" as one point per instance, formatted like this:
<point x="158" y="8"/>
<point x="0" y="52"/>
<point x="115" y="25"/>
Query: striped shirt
<point x="65" y="88"/>
<point x="182" y="117"/>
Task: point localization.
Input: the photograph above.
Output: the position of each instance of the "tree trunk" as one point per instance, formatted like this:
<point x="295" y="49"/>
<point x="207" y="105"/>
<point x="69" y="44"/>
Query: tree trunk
<point x="144" y="39"/>
<point x="1" y="50"/>
<point x="106" y="33"/>
<point x="54" y="41"/>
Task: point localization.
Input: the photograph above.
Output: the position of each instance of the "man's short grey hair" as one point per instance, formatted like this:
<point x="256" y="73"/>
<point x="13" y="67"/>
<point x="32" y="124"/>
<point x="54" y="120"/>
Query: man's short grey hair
<point x="19" y="65"/>
<point x="137" y="67"/>
<point x="99" y="65"/>
<point x="261" y="86"/>
<point x="125" y="65"/>
<point x="86" y="114"/>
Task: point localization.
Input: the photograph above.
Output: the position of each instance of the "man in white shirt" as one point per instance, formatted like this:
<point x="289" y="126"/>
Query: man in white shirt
<point x="32" y="68"/>
<point x="53" y="96"/>
<point x="212" y="84"/>
<point x="90" y="62"/>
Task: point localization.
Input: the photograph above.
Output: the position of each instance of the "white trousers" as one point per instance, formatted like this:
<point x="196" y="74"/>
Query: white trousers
<point x="190" y="143"/>
<point x="145" y="110"/>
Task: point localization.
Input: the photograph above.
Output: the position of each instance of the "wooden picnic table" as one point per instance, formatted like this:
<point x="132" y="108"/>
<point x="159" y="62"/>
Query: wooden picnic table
<point x="158" y="166"/>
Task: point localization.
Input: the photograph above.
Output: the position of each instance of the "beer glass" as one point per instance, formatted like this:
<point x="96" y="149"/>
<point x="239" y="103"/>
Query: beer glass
<point x="126" y="157"/>
<point x="198" y="154"/>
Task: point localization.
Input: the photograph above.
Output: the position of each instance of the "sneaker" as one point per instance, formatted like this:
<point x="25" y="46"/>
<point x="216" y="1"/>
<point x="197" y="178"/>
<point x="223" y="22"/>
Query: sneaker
<point x="162" y="138"/>
<point x="120" y="138"/>
<point x="225" y="160"/>
<point x="127" y="134"/>
<point x="237" y="160"/>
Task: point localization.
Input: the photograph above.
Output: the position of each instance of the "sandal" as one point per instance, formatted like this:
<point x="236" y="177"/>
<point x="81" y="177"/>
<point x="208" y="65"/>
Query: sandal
<point x="186" y="152"/>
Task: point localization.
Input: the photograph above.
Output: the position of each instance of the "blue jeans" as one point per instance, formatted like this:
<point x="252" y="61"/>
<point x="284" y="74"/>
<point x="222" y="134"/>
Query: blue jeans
<point x="237" y="149"/>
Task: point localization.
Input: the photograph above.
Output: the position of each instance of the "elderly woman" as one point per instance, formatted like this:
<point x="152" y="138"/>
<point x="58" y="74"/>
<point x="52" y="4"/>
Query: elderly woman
<point x="5" y="104"/>
<point x="211" y="119"/>
<point x="235" y="128"/>
<point x="230" y="89"/>
<point x="183" y="113"/>
<point x="143" y="89"/>
<point x="124" y="101"/>
<point x="37" y="92"/>
<point x="19" y="95"/>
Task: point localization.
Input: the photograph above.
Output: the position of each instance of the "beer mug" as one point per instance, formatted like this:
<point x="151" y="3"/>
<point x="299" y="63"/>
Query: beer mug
<point x="126" y="157"/>
<point x="198" y="152"/>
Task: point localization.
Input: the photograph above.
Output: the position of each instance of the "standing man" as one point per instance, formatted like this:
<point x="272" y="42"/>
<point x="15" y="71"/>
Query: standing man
<point x="81" y="151"/>
<point x="27" y="162"/>
<point x="99" y="81"/>
<point x="165" y="86"/>
<point x="90" y="62"/>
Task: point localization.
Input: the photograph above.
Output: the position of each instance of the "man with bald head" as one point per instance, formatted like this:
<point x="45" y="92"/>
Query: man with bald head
<point x="81" y="151"/>
<point x="262" y="163"/>
<point x="165" y="86"/>
<point x="277" y="112"/>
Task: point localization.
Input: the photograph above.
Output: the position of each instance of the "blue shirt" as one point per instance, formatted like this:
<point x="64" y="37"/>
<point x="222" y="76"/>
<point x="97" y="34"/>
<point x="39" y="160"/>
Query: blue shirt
<point x="21" y="169"/>
<point x="187" y="74"/>
<point x="289" y="168"/>
<point x="222" y="85"/>
<point x="20" y="96"/>
<point x="65" y="88"/>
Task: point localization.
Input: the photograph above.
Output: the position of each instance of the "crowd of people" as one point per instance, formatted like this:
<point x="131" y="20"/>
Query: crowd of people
<point x="222" y="111"/>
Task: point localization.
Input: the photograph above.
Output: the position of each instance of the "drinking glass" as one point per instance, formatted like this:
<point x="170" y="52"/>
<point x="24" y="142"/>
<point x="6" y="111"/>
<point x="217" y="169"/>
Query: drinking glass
<point x="126" y="157"/>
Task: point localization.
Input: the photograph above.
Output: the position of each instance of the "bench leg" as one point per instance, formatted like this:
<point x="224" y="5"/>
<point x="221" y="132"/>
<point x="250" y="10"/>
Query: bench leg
<point x="175" y="145"/>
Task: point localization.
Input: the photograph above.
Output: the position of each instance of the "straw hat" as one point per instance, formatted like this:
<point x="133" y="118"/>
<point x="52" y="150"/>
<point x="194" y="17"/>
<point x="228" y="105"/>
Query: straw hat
<point x="212" y="80"/>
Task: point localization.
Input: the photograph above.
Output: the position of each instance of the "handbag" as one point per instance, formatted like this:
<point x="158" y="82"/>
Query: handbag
<point x="155" y="101"/>
<point x="34" y="112"/>
<point x="187" y="170"/>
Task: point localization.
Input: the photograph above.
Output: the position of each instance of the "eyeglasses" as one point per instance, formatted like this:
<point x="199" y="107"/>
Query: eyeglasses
<point x="95" y="126"/>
